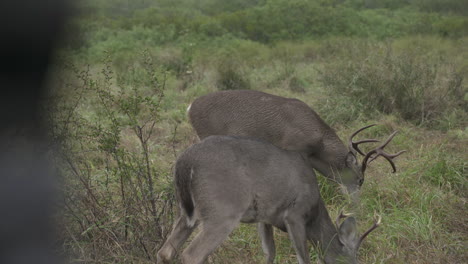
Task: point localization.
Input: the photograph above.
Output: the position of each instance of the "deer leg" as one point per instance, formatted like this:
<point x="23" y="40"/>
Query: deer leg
<point x="268" y="243"/>
<point x="178" y="236"/>
<point x="209" y="238"/>
<point x="297" y="234"/>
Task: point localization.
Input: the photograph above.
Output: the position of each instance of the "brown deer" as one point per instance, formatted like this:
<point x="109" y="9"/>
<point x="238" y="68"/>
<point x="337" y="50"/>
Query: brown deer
<point x="225" y="180"/>
<point x="289" y="124"/>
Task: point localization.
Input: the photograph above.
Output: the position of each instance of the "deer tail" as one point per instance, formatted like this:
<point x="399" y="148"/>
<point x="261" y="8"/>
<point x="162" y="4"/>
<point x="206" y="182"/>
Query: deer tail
<point x="183" y="180"/>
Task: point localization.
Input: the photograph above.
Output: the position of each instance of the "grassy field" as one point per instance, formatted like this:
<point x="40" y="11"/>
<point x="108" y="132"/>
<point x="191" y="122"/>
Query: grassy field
<point x="119" y="117"/>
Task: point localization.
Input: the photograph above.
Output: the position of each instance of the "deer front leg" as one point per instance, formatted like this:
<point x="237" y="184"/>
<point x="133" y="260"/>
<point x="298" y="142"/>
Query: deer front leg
<point x="297" y="234"/>
<point x="178" y="236"/>
<point x="268" y="243"/>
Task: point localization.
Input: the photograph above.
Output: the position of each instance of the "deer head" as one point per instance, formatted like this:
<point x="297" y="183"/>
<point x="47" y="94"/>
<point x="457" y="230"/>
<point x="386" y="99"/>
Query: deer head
<point x="349" y="239"/>
<point x="356" y="169"/>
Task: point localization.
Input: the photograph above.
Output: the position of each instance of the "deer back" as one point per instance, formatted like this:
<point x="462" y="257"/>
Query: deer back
<point x="284" y="122"/>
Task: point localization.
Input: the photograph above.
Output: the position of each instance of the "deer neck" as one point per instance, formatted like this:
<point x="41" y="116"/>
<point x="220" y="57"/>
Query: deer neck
<point x="331" y="159"/>
<point x="329" y="167"/>
<point x="322" y="166"/>
<point x="323" y="233"/>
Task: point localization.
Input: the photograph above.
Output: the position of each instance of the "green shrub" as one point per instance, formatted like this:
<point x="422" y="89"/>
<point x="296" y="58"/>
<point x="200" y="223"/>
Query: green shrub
<point x="211" y="28"/>
<point x="452" y="26"/>
<point x="418" y="88"/>
<point x="173" y="59"/>
<point x="445" y="6"/>
<point x="116" y="194"/>
<point x="287" y="57"/>
<point x="228" y="58"/>
<point x="231" y="76"/>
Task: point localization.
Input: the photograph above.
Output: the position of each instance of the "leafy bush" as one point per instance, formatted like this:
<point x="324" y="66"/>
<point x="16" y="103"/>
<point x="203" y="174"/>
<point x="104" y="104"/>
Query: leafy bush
<point x="117" y="205"/>
<point x="228" y="58"/>
<point x="445" y="6"/>
<point x="173" y="59"/>
<point x="418" y="88"/>
<point x="211" y="28"/>
<point x="452" y="26"/>
<point x="231" y="76"/>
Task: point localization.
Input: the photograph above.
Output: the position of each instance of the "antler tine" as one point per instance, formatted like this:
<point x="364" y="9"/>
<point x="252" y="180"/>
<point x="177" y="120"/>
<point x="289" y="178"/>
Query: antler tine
<point x="354" y="145"/>
<point x="388" y="156"/>
<point x="389" y="139"/>
<point x="364" y="161"/>
<point x="374" y="226"/>
<point x="380" y="152"/>
<point x="361" y="129"/>
<point x="339" y="217"/>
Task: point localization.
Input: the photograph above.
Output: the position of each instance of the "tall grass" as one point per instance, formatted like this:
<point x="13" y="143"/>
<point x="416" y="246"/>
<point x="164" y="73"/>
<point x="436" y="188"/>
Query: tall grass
<point x="419" y="88"/>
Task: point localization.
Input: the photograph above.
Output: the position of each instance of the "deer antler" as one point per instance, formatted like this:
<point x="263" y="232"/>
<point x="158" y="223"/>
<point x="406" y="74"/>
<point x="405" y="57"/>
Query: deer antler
<point x="374" y="226"/>
<point x="380" y="152"/>
<point x="339" y="217"/>
<point x="354" y="145"/>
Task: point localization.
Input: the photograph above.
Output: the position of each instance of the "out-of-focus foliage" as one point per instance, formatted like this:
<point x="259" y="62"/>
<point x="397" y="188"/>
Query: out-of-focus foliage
<point x="412" y="83"/>
<point x="275" y="20"/>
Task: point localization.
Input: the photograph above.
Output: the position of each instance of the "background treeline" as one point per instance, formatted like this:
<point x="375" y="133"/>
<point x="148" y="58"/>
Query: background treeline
<point x="274" y="20"/>
<point x="130" y="68"/>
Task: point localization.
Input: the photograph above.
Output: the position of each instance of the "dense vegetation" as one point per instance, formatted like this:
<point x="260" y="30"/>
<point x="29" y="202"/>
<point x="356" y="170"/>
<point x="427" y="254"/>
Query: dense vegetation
<point x="129" y="70"/>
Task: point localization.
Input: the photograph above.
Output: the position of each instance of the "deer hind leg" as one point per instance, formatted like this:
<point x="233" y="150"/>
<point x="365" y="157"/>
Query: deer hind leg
<point x="268" y="242"/>
<point x="212" y="234"/>
<point x="297" y="234"/>
<point x="176" y="239"/>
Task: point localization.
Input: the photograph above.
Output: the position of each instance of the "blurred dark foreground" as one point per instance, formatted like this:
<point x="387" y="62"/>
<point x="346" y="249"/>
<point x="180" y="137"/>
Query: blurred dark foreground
<point x="29" y="33"/>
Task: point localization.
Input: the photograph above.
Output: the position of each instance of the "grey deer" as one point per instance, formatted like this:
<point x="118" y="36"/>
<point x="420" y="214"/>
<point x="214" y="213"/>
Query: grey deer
<point x="225" y="180"/>
<point x="289" y="124"/>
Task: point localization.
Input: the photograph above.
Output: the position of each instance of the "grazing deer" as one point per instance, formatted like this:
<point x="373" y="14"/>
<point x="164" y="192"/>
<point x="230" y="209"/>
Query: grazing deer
<point x="225" y="180"/>
<point x="287" y="123"/>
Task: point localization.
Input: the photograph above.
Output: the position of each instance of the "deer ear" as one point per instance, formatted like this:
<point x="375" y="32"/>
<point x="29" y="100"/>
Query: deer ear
<point x="351" y="159"/>
<point x="348" y="232"/>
